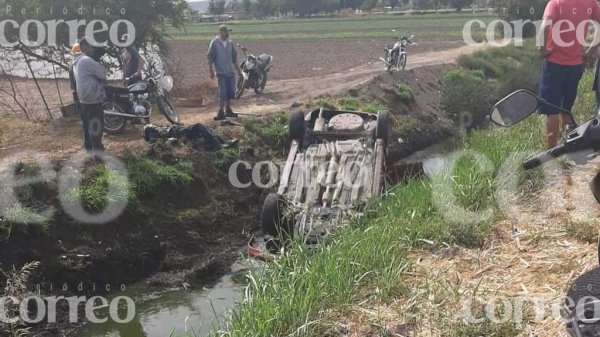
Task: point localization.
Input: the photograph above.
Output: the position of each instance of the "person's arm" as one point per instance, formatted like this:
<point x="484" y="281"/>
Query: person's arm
<point x="97" y="70"/>
<point x="140" y="61"/>
<point x="211" y="59"/>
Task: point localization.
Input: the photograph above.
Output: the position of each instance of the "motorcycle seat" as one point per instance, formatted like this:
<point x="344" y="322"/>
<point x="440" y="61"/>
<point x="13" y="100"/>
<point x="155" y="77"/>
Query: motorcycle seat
<point x="112" y="90"/>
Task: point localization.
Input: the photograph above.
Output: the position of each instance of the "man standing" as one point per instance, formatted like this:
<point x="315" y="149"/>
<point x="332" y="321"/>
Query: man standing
<point x="222" y="59"/>
<point x="563" y="54"/>
<point x="90" y="77"/>
<point x="132" y="62"/>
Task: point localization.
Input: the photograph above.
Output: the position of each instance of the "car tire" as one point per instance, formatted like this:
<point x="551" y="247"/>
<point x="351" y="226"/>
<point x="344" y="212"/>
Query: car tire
<point x="297" y="126"/>
<point x="383" y="124"/>
<point x="274" y="221"/>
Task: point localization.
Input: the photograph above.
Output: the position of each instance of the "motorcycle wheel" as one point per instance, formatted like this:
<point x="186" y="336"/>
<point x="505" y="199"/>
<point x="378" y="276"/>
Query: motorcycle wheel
<point x="241" y="87"/>
<point x="261" y="84"/>
<point x="167" y="109"/>
<point x="113" y="125"/>
<point x="402" y="62"/>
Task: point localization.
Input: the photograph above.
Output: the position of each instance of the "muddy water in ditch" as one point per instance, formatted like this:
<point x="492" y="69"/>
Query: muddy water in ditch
<point x="424" y="162"/>
<point x="172" y="313"/>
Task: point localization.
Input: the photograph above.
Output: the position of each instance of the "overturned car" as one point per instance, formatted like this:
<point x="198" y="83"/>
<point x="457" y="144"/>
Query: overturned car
<point x="335" y="165"/>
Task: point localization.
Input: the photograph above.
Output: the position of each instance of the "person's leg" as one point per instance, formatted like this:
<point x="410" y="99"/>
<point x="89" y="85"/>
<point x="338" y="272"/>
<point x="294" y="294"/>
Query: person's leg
<point x="571" y="84"/>
<point x="222" y="96"/>
<point x="552" y="129"/>
<point x="96" y="126"/>
<point x="85" y="121"/>
<point x="551" y="90"/>
<point x="231" y="88"/>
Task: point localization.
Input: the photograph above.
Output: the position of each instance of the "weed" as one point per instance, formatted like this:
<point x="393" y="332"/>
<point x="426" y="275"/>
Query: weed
<point x="586" y="231"/>
<point x="404" y="93"/>
<point x="349" y="104"/>
<point x="147" y="176"/>
<point x="372" y="107"/>
<point x="17" y="286"/>
<point x="22" y="219"/>
<point x="276" y="131"/>
<point x="226" y="157"/>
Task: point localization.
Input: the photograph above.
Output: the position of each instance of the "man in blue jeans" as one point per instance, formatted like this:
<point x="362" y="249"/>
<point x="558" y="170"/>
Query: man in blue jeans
<point x="222" y="60"/>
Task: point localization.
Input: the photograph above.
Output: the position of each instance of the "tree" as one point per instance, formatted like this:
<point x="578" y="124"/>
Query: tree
<point x="149" y="22"/>
<point x="439" y="3"/>
<point x="394" y="3"/>
<point x="264" y="8"/>
<point x="521" y="10"/>
<point x="247" y="6"/>
<point x="405" y="2"/>
<point x="234" y="5"/>
<point x="369" y="4"/>
<point x="422" y="4"/>
<point x="216" y="7"/>
<point x="460" y="4"/>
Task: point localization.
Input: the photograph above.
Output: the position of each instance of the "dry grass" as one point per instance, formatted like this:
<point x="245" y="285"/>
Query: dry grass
<point x="536" y="253"/>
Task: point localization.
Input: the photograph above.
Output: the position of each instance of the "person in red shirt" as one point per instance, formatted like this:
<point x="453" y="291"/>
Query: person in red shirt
<point x="564" y="28"/>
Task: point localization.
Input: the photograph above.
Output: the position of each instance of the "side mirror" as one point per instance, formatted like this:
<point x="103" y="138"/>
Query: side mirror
<point x="514" y="108"/>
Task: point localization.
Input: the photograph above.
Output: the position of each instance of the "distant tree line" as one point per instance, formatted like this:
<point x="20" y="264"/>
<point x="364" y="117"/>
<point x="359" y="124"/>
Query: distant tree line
<point x="264" y="8"/>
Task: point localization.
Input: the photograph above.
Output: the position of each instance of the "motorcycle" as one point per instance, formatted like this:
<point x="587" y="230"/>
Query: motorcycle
<point x="581" y="312"/>
<point x="134" y="103"/>
<point x="254" y="72"/>
<point x="395" y="55"/>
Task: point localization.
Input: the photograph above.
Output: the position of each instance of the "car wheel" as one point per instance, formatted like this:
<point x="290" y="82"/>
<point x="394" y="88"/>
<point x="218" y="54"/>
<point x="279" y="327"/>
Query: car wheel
<point x="297" y="126"/>
<point x="383" y="123"/>
<point x="274" y="221"/>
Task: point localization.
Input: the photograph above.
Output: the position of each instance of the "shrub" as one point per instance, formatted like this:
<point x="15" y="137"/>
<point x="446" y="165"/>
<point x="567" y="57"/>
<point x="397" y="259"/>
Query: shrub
<point x="404" y="93"/>
<point x="226" y="157"/>
<point x="466" y="97"/>
<point x="23" y="219"/>
<point x="349" y="104"/>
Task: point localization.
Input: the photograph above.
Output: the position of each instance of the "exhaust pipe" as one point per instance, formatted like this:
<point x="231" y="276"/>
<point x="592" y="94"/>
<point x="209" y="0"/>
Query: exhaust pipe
<point x="384" y="61"/>
<point x="122" y="115"/>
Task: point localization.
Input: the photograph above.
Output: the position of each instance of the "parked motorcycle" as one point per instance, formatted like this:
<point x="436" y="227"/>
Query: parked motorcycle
<point x="255" y="72"/>
<point x="135" y="103"/>
<point x="581" y="311"/>
<point x="395" y="54"/>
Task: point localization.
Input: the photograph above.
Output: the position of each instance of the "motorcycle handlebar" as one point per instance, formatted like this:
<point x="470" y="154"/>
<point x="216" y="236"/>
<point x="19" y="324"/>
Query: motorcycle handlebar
<point x="544" y="157"/>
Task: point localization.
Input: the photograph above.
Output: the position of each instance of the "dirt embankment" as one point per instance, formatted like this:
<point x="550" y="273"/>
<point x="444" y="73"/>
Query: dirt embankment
<point x="413" y="99"/>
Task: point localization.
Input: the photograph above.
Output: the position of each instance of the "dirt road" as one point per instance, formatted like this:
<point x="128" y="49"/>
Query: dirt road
<point x="62" y="138"/>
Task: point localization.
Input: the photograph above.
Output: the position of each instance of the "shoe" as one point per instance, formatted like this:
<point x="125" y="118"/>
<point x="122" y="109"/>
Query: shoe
<point x="229" y="113"/>
<point x="220" y="116"/>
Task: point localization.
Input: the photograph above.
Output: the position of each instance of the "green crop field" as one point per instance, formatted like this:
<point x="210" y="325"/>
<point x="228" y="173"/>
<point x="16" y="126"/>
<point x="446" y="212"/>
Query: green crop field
<point x="446" y="26"/>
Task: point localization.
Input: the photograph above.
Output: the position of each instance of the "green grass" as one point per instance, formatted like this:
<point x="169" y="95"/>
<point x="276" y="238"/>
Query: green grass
<point x="357" y="104"/>
<point x="367" y="260"/>
<point x="226" y="157"/>
<point x="22" y="219"/>
<point x="404" y="93"/>
<point x="425" y="27"/>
